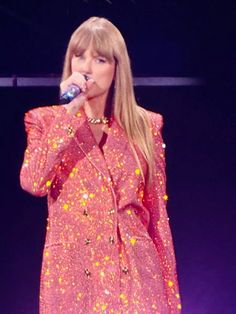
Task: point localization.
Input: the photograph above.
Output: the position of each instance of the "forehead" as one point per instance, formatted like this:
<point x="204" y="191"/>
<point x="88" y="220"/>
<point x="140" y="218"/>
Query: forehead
<point x="96" y="44"/>
<point x="89" y="50"/>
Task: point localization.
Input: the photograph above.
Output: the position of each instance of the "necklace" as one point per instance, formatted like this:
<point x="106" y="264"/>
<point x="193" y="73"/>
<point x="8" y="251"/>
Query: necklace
<point x="102" y="120"/>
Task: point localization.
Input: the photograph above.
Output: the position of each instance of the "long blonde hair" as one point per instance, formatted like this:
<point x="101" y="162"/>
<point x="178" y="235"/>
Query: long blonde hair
<point x="107" y="40"/>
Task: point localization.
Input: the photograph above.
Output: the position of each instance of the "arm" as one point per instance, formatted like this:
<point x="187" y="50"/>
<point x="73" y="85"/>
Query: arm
<point x="159" y="229"/>
<point x="49" y="131"/>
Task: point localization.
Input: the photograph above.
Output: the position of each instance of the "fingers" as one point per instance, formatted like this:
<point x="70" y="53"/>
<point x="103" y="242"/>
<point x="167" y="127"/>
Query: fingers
<point x="77" y="79"/>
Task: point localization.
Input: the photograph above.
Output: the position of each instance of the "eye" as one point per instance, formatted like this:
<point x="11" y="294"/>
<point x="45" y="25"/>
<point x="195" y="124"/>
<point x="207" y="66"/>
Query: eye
<point x="78" y="55"/>
<point x="100" y="59"/>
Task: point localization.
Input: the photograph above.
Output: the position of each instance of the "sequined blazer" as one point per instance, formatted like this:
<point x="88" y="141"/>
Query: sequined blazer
<point x="108" y="246"/>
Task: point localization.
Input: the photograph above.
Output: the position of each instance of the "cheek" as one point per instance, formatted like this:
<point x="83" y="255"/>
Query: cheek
<point x="109" y="75"/>
<point x="103" y="80"/>
<point x="74" y="65"/>
<point x="106" y="81"/>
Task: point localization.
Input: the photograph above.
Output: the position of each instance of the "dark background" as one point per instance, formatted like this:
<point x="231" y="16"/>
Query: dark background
<point x="164" y="38"/>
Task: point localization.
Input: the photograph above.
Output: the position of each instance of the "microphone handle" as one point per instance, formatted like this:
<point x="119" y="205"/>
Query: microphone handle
<point x="69" y="94"/>
<point x="72" y="92"/>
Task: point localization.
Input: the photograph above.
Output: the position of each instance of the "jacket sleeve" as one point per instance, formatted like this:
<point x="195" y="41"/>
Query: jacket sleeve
<point x="159" y="229"/>
<point x="49" y="131"/>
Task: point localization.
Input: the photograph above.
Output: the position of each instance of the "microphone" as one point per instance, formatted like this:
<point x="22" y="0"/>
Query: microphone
<point x="70" y="93"/>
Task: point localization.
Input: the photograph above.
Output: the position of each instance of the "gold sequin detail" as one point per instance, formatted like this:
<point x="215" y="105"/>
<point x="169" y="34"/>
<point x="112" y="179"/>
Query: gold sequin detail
<point x="165" y="197"/>
<point x="48" y="183"/>
<point x="65" y="206"/>
<point x="170" y="283"/>
<point x="133" y="241"/>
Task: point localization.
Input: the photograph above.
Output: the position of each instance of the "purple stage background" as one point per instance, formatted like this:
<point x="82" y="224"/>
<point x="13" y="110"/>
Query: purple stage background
<point x="168" y="39"/>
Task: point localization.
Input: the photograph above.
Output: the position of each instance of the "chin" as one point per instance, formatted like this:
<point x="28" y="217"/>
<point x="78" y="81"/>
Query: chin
<point x="93" y="96"/>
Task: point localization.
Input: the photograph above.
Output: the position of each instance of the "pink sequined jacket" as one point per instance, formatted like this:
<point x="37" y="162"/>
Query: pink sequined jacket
<point x="108" y="246"/>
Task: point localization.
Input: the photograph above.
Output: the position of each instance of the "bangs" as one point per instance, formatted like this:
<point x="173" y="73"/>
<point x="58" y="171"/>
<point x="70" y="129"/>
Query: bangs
<point x="98" y="38"/>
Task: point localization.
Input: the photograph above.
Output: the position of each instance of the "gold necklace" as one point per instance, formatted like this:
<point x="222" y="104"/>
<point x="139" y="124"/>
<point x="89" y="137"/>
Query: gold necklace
<point x="102" y="120"/>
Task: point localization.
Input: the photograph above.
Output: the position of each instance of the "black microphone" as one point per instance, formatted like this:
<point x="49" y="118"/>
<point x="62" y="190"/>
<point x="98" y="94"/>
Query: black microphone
<point x="71" y="92"/>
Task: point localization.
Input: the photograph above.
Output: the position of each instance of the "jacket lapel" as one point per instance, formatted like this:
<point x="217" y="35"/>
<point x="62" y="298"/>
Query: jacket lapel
<point x="88" y="145"/>
<point x="114" y="148"/>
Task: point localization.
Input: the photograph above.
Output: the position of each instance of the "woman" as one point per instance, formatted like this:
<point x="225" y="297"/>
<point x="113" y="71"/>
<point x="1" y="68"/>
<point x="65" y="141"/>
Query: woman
<point x="100" y="161"/>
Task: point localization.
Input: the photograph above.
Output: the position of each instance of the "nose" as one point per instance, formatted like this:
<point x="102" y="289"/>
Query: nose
<point x="86" y="67"/>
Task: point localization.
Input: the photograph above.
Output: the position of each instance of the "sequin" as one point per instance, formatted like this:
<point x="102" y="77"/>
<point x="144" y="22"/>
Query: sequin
<point x="102" y="274"/>
<point x="103" y="307"/>
<point x="48" y="183"/>
<point x="108" y="247"/>
<point x="165" y="197"/>
<point x="133" y="241"/>
<point x="170" y="283"/>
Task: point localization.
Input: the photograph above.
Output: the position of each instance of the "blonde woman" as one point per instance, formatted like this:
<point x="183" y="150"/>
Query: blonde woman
<point x="100" y="161"/>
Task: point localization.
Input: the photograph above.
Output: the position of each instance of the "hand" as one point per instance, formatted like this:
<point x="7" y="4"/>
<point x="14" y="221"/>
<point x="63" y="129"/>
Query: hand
<point x="78" y="79"/>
